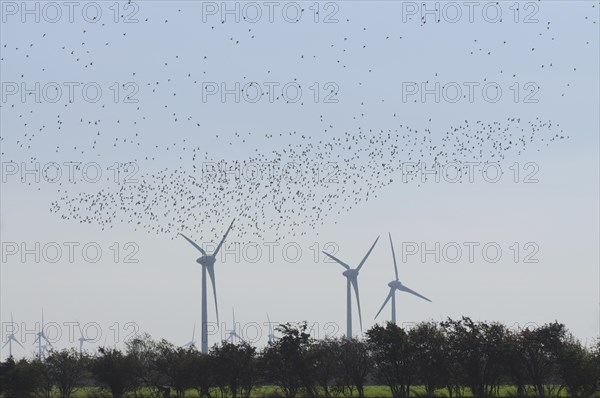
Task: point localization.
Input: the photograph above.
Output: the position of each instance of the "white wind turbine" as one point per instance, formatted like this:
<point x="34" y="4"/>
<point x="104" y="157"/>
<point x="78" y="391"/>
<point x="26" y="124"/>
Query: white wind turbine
<point x="11" y="337"/>
<point x="192" y="342"/>
<point x="396" y="285"/>
<point x="271" y="336"/>
<point x="351" y="275"/>
<point x="41" y="336"/>
<point x="45" y="350"/>
<point x="208" y="265"/>
<point x="233" y="333"/>
<point x="81" y="339"/>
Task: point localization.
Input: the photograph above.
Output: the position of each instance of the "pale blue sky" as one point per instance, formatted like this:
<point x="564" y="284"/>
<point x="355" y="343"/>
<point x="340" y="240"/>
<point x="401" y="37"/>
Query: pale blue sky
<point x="376" y="54"/>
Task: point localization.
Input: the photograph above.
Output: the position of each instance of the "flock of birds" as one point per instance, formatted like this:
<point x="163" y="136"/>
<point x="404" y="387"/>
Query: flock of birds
<point x="296" y="188"/>
<point x="317" y="176"/>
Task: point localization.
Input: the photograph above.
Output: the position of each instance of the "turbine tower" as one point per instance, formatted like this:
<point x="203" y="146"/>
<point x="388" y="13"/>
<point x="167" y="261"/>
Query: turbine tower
<point x="41" y="336"/>
<point x="233" y="333"/>
<point x="11" y="337"/>
<point x="396" y="285"/>
<point x="351" y="275"/>
<point x="208" y="265"/>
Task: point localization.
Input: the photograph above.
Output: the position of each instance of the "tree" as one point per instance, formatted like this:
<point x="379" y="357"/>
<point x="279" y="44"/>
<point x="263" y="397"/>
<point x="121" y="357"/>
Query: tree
<point x="578" y="369"/>
<point x="515" y="366"/>
<point x="176" y="364"/>
<point x="324" y="358"/>
<point x="393" y="357"/>
<point x="65" y="369"/>
<point x="144" y="351"/>
<point x="539" y="350"/>
<point x="20" y="379"/>
<point x="203" y="375"/>
<point x="430" y="349"/>
<point x="356" y="364"/>
<point x="234" y="368"/>
<point x="284" y="362"/>
<point x="478" y="350"/>
<point x="116" y="371"/>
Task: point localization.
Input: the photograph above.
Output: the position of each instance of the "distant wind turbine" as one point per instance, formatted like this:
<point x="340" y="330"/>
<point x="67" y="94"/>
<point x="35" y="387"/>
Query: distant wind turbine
<point x="208" y="264"/>
<point x="192" y="342"/>
<point x="351" y="275"/>
<point x="11" y="337"/>
<point x="233" y="333"/>
<point x="41" y="336"/>
<point x="397" y="285"/>
<point x="81" y="339"/>
<point x="271" y="336"/>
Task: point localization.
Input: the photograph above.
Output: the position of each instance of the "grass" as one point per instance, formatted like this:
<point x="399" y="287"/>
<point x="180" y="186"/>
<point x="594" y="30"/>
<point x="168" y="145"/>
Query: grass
<point x="271" y="391"/>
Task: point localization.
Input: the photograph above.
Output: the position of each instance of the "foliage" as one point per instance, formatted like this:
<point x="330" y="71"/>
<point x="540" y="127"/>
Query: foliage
<point x="464" y="357"/>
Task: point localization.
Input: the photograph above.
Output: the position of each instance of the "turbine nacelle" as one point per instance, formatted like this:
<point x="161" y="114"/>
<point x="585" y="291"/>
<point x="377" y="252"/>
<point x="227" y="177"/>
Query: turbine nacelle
<point x="350" y="273"/>
<point x="206" y="260"/>
<point x="395" y="285"/>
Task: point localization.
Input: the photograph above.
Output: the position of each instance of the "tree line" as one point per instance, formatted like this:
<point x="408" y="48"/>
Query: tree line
<point x="453" y="357"/>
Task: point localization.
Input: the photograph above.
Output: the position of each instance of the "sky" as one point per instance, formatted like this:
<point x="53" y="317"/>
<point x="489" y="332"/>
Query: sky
<point x="155" y="100"/>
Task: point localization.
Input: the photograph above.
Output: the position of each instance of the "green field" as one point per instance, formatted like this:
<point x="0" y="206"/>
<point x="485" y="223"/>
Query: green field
<point x="272" y="392"/>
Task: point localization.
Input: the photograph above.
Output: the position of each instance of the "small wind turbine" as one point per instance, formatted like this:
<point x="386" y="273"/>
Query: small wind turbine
<point x="351" y="275"/>
<point x="192" y="342"/>
<point x="271" y="335"/>
<point x="208" y="264"/>
<point x="233" y="333"/>
<point x="11" y="337"/>
<point x="81" y="339"/>
<point x="397" y="285"/>
<point x="41" y="336"/>
<point x="45" y="350"/>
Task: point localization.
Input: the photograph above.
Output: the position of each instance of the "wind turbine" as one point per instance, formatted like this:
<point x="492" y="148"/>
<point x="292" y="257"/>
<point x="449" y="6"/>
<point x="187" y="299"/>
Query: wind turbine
<point x="192" y="342"/>
<point x="271" y="335"/>
<point x="81" y="339"/>
<point x="397" y="285"/>
<point x="351" y="275"/>
<point x="41" y="336"/>
<point x="208" y="264"/>
<point x="233" y="333"/>
<point x="45" y="350"/>
<point x="11" y="337"/>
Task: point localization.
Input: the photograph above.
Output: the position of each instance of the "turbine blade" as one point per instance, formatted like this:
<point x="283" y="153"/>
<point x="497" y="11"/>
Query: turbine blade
<point x="80" y="330"/>
<point x="233" y="313"/>
<point x="36" y="339"/>
<point x="194" y="244"/>
<point x="223" y="240"/>
<point x="368" y="253"/>
<point x="19" y="343"/>
<point x="239" y="337"/>
<point x="270" y="326"/>
<point x="194" y="333"/>
<point x="389" y="296"/>
<point x="394" y="256"/>
<point x="340" y="262"/>
<point x="354" y="282"/>
<point x="47" y="341"/>
<point x="211" y="274"/>
<point x="407" y="290"/>
<point x="5" y="344"/>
